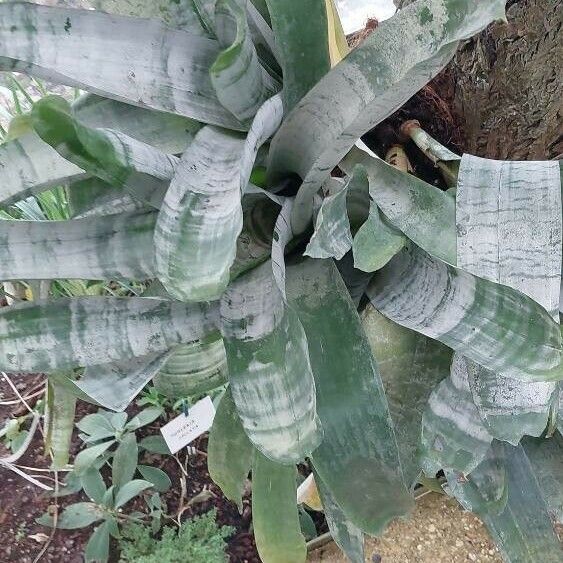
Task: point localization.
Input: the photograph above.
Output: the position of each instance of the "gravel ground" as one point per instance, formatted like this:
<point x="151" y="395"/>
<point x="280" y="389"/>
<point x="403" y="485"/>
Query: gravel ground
<point x="439" y="531"/>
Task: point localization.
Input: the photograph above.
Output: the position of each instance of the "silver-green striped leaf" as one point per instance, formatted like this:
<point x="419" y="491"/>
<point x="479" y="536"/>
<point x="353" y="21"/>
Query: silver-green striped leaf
<point x="269" y="370"/>
<point x="240" y="82"/>
<point x="95" y="248"/>
<point x="192" y="369"/>
<point x="30" y="166"/>
<point x="485" y="490"/>
<point x="138" y="61"/>
<point x="411" y="366"/>
<point x="373" y="81"/>
<point x="358" y="459"/>
<point x="509" y="228"/>
<point x="108" y="154"/>
<point x="424" y="213"/>
<point x="115" y="385"/>
<point x="167" y="132"/>
<point x="201" y="216"/>
<point x="87" y="331"/>
<point x="93" y="196"/>
<point x="494" y="325"/>
<point x="274" y="512"/>
<point x="453" y="435"/>
<point x="229" y="451"/>
<point x="332" y="237"/>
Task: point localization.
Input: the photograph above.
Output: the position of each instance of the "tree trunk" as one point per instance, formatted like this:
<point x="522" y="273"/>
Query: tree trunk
<point x="507" y="83"/>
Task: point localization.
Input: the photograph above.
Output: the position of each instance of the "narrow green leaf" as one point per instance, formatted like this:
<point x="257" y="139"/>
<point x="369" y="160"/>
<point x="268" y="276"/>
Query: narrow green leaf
<point x="274" y="511"/>
<point x="86" y="458"/>
<point x="470" y="315"/>
<point x="546" y="458"/>
<point x="116" y="56"/>
<point x="193" y="369"/>
<point x="269" y="365"/>
<point x="509" y="226"/>
<point x="124" y="461"/>
<point x="159" y="479"/>
<point x="361" y="469"/>
<point x="201" y="215"/>
<point x="373" y="81"/>
<point x="93" y="484"/>
<point x="411" y="366"/>
<point x="116" y="384"/>
<point x="349" y="538"/>
<point x="229" y="451"/>
<point x="59" y="423"/>
<point x="131" y="489"/>
<point x="97" y="548"/>
<point x="74" y="516"/>
<point x="91" y="330"/>
<point x="95" y="248"/>
<point x="240" y="82"/>
<point x="301" y="33"/>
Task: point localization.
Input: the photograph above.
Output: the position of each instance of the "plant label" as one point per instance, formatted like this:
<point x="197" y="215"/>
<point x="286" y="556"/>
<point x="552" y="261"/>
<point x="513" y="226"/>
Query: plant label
<point x="183" y="429"/>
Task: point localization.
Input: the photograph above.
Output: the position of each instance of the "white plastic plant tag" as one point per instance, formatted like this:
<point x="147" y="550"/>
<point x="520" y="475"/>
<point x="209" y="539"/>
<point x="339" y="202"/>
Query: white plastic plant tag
<point x="180" y="431"/>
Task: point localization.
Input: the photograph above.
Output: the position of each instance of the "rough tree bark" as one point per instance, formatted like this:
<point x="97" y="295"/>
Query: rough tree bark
<point x="505" y="84"/>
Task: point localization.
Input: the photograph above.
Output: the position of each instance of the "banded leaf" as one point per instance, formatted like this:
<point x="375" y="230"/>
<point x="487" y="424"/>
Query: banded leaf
<point x="453" y="435"/>
<point x="194" y="368"/>
<point x="485" y="489"/>
<point x="301" y="34"/>
<point x="269" y="370"/>
<point x="494" y="325"/>
<point x="141" y="62"/>
<point x="509" y="227"/>
<point x="95" y="248"/>
<point x="93" y="196"/>
<point x="360" y="468"/>
<point x="424" y="213"/>
<point x="274" y="510"/>
<point x="110" y="155"/>
<point x="30" y="166"/>
<point x="373" y="81"/>
<point x="229" y="451"/>
<point x="240" y="82"/>
<point x="411" y="367"/>
<point x="114" y="385"/>
<point x="87" y="331"/>
<point x="201" y="215"/>
<point x="332" y="237"/>
<point x="59" y="423"/>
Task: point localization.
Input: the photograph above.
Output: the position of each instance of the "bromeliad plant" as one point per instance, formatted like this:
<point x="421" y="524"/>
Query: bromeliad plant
<point x="200" y="161"/>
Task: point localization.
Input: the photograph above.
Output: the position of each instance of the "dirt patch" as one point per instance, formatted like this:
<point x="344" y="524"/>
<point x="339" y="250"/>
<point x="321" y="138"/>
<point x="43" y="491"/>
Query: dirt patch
<point x="439" y="531"/>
